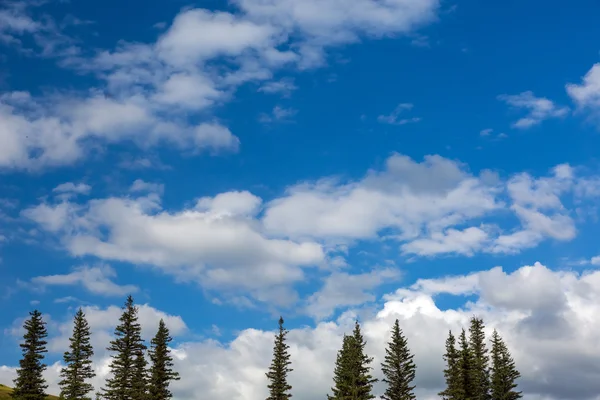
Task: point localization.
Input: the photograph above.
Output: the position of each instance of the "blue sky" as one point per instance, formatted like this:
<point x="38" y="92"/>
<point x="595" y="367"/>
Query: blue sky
<point x="227" y="162"/>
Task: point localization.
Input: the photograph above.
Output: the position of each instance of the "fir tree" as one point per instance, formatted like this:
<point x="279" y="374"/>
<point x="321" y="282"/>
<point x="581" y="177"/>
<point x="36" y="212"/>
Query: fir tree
<point x="139" y="380"/>
<point x="126" y="346"/>
<point x="479" y="371"/>
<point x="398" y="368"/>
<point x="453" y="373"/>
<point x="29" y="383"/>
<point x="352" y="374"/>
<point x="279" y="389"/>
<point x="504" y="372"/>
<point x="342" y="373"/>
<point x="465" y="365"/>
<point x="161" y="370"/>
<point x="78" y="361"/>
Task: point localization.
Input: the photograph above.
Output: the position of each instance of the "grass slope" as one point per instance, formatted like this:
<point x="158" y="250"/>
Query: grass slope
<point x="5" y="393"/>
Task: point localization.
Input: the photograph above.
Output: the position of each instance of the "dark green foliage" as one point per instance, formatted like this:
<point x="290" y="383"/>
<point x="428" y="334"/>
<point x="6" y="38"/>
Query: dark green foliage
<point x="453" y="372"/>
<point x="30" y="383"/>
<point x="78" y="362"/>
<point x="125" y="363"/>
<point x="465" y="365"/>
<point x="279" y="389"/>
<point x="503" y="372"/>
<point x="479" y="370"/>
<point x="139" y="380"/>
<point x="161" y="370"/>
<point x="352" y="374"/>
<point x="398" y="368"/>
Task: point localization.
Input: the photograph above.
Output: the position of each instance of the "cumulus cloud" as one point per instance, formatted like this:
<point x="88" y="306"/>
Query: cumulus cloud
<point x="586" y="95"/>
<point x="539" y="109"/>
<point x="146" y="91"/>
<point x="96" y="280"/>
<point x="546" y="318"/>
<point x="216" y="243"/>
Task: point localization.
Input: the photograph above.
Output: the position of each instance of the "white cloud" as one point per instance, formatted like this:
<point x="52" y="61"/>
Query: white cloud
<point x="279" y="114"/>
<point x="393" y="118"/>
<point x="217" y="243"/>
<point x="547" y="319"/>
<point x="140" y="185"/>
<point x="539" y="109"/>
<point x="96" y="280"/>
<point x="72" y="188"/>
<point x="587" y="94"/>
<point x="284" y="86"/>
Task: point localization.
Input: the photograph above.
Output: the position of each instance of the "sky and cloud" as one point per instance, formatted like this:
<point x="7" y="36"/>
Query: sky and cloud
<point x="227" y="162"/>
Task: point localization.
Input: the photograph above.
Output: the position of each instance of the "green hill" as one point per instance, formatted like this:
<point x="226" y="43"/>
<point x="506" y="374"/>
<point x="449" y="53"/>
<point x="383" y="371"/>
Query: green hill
<point x="5" y="393"/>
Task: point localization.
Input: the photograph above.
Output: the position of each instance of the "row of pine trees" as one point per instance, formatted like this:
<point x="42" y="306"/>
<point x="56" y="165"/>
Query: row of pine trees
<point x="130" y="379"/>
<point x="468" y="373"/>
<point x="471" y="372"/>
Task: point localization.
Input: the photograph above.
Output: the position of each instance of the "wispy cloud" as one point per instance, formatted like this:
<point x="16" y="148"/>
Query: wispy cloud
<point x="394" y="117"/>
<point x="539" y="109"/>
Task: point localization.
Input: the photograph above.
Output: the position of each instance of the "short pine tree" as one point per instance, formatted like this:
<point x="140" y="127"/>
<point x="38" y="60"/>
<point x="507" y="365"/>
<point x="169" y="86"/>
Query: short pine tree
<point x="126" y="346"/>
<point x="161" y="369"/>
<point x="279" y="388"/>
<point x="503" y="372"/>
<point x="479" y="371"/>
<point x="29" y="383"/>
<point x="465" y="364"/>
<point x="398" y="368"/>
<point x="78" y="362"/>
<point x="453" y="374"/>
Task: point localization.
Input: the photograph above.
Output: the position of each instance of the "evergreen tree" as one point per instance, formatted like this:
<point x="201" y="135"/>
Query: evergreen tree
<point x="479" y="371"/>
<point x="161" y="370"/>
<point x="465" y="365"/>
<point x="453" y="373"/>
<point x="504" y="372"/>
<point x="139" y="380"/>
<point x="342" y="373"/>
<point x="78" y="361"/>
<point x="279" y="389"/>
<point x="127" y="347"/>
<point x="398" y="368"/>
<point x="29" y="383"/>
<point x="352" y="375"/>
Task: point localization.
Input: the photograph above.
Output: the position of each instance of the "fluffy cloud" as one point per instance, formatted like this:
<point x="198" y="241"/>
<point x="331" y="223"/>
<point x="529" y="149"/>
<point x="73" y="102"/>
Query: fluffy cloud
<point x="147" y="91"/>
<point x="217" y="243"/>
<point x="587" y="94"/>
<point x="546" y="317"/>
<point x="539" y="109"/>
<point x="96" y="280"/>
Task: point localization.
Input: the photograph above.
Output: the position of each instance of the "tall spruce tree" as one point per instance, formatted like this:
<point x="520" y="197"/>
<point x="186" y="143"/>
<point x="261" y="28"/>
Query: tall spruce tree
<point x="352" y="374"/>
<point x="503" y="372"/>
<point x="279" y="388"/>
<point x="453" y="373"/>
<point x="127" y="345"/>
<point x="161" y="369"/>
<point x="398" y="367"/>
<point x="479" y="370"/>
<point x="78" y="362"/>
<point x="342" y="373"/>
<point x="139" y="380"/>
<point x="465" y="365"/>
<point x="29" y="383"/>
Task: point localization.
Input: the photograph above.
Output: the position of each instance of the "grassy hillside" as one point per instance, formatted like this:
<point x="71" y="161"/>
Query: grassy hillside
<point x="5" y="393"/>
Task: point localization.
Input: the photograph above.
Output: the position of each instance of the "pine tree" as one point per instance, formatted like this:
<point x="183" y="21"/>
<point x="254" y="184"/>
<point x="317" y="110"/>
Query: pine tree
<point x="504" y="372"/>
<point x="126" y="346"/>
<point x="161" y="370"/>
<point x="398" y="368"/>
<point x="479" y="371"/>
<point x="279" y="389"/>
<point x="352" y="374"/>
<point x="465" y="365"/>
<point x="29" y="383"/>
<point x="453" y="373"/>
<point x="342" y="373"/>
<point x="139" y="380"/>
<point x="78" y="361"/>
